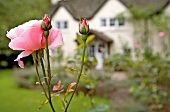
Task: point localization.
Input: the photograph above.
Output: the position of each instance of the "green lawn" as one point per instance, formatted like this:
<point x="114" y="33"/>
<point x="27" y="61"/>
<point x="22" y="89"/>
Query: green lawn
<point x="14" y="99"/>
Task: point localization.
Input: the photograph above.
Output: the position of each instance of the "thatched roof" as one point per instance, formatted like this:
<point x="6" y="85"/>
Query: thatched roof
<point x="153" y="6"/>
<point x="88" y="8"/>
<point x="79" y="8"/>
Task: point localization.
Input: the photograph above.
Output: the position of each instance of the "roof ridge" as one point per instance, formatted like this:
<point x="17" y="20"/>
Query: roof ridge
<point x="75" y="8"/>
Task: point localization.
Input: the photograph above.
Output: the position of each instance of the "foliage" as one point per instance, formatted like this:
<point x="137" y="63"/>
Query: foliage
<point x="139" y="13"/>
<point x="89" y="79"/>
<point x="89" y="85"/>
<point x="161" y="22"/>
<point x="118" y="62"/>
<point x="148" y="76"/>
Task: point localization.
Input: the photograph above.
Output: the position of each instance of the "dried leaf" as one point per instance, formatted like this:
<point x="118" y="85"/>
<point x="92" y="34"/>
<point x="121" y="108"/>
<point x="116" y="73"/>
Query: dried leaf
<point x="69" y="89"/>
<point x="43" y="103"/>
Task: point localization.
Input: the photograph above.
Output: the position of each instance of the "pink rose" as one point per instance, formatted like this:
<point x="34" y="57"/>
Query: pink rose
<point x="29" y="38"/>
<point x="162" y="34"/>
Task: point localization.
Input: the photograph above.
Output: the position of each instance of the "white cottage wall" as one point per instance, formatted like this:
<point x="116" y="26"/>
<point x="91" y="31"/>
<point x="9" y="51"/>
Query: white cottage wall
<point x="119" y="34"/>
<point x="69" y="34"/>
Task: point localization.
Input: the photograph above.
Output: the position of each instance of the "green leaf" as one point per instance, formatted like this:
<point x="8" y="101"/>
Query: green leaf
<point x="78" y="39"/>
<point x="89" y="39"/>
<point x="79" y="47"/>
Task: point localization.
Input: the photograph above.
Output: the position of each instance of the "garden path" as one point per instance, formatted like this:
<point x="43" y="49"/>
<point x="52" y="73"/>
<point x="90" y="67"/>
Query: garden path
<point x="120" y="98"/>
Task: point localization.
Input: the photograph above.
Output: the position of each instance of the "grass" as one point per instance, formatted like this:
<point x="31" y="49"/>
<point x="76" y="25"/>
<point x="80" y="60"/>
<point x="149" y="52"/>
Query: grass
<point x="14" y="99"/>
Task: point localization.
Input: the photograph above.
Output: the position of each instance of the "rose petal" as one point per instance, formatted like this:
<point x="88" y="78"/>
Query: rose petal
<point x="31" y="23"/>
<point x="17" y="31"/>
<point x="14" y="33"/>
<point x="21" y="55"/>
<point x="30" y="40"/>
<point x="55" y="39"/>
<point x="20" y="63"/>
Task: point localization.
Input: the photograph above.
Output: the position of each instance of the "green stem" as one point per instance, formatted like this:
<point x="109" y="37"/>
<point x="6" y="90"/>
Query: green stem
<point x="49" y="76"/>
<point x="39" y="79"/>
<point x="78" y="79"/>
<point x="48" y="61"/>
<point x="43" y="69"/>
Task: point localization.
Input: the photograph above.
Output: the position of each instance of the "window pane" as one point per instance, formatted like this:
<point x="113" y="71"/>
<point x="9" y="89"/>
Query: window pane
<point x="112" y="21"/>
<point x="58" y="25"/>
<point x="65" y="24"/>
<point x="121" y="21"/>
<point x="91" y="51"/>
<point x="103" y="22"/>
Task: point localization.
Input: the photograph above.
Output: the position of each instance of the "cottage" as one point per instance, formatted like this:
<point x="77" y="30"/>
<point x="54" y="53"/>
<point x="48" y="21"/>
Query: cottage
<point x="109" y="22"/>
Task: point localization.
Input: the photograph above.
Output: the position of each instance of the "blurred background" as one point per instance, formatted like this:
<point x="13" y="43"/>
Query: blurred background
<point x="127" y="62"/>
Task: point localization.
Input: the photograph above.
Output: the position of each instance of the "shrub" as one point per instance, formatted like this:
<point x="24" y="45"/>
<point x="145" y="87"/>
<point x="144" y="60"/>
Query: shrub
<point x="147" y="76"/>
<point x="25" y="78"/>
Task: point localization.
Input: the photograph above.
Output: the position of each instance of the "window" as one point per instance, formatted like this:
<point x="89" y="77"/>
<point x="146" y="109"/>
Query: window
<point x="91" y="50"/>
<point x="65" y="25"/>
<point x="112" y="22"/>
<point x="103" y="22"/>
<point x="58" y="25"/>
<point x="121" y="21"/>
<point x="62" y="24"/>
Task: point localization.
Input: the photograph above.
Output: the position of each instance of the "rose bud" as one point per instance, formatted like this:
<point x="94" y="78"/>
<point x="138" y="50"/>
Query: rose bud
<point x="83" y="27"/>
<point x="46" y="23"/>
